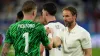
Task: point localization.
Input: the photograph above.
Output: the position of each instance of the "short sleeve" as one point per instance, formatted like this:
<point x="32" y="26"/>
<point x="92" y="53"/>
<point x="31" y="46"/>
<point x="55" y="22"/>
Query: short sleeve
<point x="8" y="38"/>
<point x="86" y="41"/>
<point x="60" y="31"/>
<point x="60" y="34"/>
<point x="44" y="38"/>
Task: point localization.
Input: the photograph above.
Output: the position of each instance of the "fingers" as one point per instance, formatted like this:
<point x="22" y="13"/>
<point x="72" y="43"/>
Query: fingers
<point x="49" y="30"/>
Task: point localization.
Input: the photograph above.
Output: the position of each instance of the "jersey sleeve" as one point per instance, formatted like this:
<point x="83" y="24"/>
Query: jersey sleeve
<point x="44" y="39"/>
<point x="60" y="31"/>
<point x="86" y="41"/>
<point x="8" y="38"/>
<point x="60" y="35"/>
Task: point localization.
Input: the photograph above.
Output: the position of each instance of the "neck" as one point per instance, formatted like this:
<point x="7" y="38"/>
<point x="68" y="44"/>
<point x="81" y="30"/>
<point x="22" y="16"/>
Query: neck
<point x="29" y="17"/>
<point x="51" y="18"/>
<point x="72" y="26"/>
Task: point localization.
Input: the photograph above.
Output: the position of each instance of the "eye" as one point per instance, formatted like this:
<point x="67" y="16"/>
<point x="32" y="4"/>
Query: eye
<point x="66" y="15"/>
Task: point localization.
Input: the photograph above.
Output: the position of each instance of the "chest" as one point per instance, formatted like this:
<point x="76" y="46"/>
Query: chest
<point x="55" y="27"/>
<point x="71" y="39"/>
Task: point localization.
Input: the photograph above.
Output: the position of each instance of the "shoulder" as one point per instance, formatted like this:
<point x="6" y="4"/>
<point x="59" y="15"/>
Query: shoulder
<point x="60" y="24"/>
<point x="39" y="26"/>
<point x="12" y="25"/>
<point x="51" y="25"/>
<point x="11" y="28"/>
<point x="83" y="31"/>
<point x="55" y="24"/>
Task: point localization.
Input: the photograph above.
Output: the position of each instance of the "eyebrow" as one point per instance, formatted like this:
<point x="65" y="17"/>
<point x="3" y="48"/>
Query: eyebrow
<point x="65" y="15"/>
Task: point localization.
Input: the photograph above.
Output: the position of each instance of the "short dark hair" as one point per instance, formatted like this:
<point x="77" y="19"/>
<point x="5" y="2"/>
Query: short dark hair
<point x="28" y="6"/>
<point x="72" y="10"/>
<point x="20" y="15"/>
<point x="50" y="8"/>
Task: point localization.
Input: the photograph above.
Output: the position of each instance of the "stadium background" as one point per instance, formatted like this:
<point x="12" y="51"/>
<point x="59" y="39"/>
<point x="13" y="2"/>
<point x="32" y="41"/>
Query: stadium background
<point x="88" y="17"/>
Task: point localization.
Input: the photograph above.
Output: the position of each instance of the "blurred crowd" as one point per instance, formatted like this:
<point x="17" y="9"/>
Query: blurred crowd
<point x="88" y="12"/>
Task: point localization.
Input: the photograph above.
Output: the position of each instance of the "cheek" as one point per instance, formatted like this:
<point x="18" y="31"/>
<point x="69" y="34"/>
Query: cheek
<point x="43" y="15"/>
<point x="67" y="18"/>
<point x="70" y="19"/>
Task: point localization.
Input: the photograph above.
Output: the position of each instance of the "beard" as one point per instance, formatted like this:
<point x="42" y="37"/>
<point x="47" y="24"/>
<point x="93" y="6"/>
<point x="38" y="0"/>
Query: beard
<point x="68" y="24"/>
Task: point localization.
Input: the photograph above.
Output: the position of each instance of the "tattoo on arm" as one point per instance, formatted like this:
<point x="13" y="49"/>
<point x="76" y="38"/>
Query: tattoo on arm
<point x="4" y="54"/>
<point x="5" y="49"/>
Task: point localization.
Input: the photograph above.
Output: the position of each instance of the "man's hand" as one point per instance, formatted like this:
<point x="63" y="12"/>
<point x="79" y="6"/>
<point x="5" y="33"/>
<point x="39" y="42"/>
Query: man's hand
<point x="49" y="30"/>
<point x="56" y="42"/>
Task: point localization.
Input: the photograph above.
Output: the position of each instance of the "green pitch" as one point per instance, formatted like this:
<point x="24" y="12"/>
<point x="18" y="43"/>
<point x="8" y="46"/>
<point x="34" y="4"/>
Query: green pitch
<point x="96" y="52"/>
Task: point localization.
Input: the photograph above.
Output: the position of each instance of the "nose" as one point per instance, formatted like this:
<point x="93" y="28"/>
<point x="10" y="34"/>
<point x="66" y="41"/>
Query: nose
<point x="65" y="19"/>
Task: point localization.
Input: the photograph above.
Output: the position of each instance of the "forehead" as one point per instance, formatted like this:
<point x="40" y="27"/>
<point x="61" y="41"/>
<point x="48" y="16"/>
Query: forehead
<point x="66" y="12"/>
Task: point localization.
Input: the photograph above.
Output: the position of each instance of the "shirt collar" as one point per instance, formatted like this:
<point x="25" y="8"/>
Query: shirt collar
<point x="74" y="29"/>
<point x="52" y="22"/>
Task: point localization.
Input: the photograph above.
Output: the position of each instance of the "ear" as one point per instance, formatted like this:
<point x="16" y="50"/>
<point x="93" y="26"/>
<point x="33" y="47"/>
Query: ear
<point x="47" y="13"/>
<point x="74" y="17"/>
<point x="33" y="13"/>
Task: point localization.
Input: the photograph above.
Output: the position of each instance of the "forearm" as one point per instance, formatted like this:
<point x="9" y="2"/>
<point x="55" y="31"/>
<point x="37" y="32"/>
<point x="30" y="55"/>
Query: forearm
<point x="88" y="52"/>
<point x="5" y="49"/>
<point x="51" y="41"/>
<point x="49" y="47"/>
<point x="88" y="55"/>
<point x="56" y="42"/>
<point x="41" y="49"/>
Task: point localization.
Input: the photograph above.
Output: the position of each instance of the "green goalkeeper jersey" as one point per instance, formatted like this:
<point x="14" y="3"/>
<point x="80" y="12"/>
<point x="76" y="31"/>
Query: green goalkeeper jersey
<point x="26" y="37"/>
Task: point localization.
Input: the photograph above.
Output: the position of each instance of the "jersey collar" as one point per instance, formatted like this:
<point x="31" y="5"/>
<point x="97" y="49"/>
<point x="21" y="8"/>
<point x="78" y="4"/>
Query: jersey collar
<point x="74" y="29"/>
<point x="26" y="20"/>
<point x="52" y="21"/>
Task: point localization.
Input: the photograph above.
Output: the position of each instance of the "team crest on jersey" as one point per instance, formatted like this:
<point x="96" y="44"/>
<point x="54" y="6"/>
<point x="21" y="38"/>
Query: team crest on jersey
<point x="57" y="26"/>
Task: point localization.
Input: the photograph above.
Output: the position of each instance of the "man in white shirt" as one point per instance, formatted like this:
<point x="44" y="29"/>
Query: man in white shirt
<point x="75" y="40"/>
<point x="49" y="10"/>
